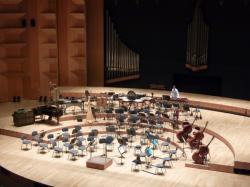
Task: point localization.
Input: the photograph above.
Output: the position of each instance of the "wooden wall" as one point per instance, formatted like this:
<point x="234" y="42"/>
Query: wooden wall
<point x="95" y="44"/>
<point x="55" y="49"/>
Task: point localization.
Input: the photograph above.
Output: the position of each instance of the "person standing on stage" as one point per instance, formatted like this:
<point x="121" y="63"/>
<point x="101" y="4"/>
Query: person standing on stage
<point x="174" y="93"/>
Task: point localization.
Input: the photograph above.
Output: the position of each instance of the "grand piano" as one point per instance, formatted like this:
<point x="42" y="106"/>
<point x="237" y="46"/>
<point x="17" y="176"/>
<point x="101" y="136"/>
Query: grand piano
<point x="48" y="110"/>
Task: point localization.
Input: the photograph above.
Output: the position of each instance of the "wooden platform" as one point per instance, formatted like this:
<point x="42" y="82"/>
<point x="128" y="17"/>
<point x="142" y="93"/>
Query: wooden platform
<point x="229" y="150"/>
<point x="99" y="162"/>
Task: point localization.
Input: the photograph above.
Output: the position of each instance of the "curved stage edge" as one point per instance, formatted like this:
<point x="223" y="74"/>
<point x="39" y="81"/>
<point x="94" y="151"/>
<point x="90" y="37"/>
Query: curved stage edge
<point x="239" y="167"/>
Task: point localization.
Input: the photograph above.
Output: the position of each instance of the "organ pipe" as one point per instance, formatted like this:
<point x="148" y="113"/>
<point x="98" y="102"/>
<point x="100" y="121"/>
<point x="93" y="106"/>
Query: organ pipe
<point x="121" y="61"/>
<point x="197" y="41"/>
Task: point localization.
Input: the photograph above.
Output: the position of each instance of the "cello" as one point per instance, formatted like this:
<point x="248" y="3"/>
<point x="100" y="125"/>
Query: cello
<point x="200" y="156"/>
<point x="195" y="141"/>
<point x="187" y="129"/>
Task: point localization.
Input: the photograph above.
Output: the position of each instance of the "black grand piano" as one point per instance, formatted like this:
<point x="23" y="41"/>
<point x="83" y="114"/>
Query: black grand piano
<point x="48" y="110"/>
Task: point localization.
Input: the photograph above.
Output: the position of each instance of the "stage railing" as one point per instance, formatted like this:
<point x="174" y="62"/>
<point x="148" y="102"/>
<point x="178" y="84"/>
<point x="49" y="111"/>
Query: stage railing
<point x="122" y="63"/>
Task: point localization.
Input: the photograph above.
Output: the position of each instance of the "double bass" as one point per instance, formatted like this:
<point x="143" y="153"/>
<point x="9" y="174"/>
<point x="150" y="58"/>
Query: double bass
<point x="199" y="157"/>
<point x="187" y="129"/>
<point x="195" y="141"/>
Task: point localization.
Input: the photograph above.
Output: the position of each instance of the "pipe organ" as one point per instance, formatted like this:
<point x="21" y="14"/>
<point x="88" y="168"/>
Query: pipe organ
<point x="122" y="63"/>
<point x="197" y="41"/>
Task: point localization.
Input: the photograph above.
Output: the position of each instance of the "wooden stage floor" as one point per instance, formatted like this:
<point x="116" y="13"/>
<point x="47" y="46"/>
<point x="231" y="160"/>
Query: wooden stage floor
<point x="63" y="172"/>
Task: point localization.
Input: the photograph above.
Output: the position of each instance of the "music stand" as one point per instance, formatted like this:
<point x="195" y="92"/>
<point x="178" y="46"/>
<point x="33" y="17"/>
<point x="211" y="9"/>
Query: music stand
<point x="122" y="142"/>
<point x="121" y="153"/>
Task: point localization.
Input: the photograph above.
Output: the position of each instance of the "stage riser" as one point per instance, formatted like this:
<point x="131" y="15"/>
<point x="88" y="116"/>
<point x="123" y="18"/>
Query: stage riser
<point x="212" y="167"/>
<point x="192" y="103"/>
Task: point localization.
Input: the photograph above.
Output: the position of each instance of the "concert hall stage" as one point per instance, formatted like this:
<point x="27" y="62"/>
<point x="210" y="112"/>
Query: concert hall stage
<point x="229" y="122"/>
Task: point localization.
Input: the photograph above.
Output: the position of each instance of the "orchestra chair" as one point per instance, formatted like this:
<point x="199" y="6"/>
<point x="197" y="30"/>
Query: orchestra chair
<point x="72" y="152"/>
<point x="152" y="124"/>
<point x="65" y="141"/>
<point x="172" y="153"/>
<point x="111" y="130"/>
<point x="136" y="163"/>
<point x="159" y="126"/>
<point x="25" y="142"/>
<point x="109" y="143"/>
<point x="109" y="112"/>
<point x="94" y="133"/>
<point x="120" y="119"/>
<point x="57" y="151"/>
<point x="146" y="111"/>
<point x="35" y="137"/>
<point x="42" y="147"/>
<point x="119" y="111"/>
<point x="65" y="129"/>
<point x="196" y="113"/>
<point x="131" y="135"/>
<point x="80" y="137"/>
<point x="78" y="128"/>
<point x="144" y="123"/>
<point x="81" y="147"/>
<point x="137" y="150"/>
<point x="133" y="119"/>
<point x="133" y="112"/>
<point x="186" y="108"/>
<point x="51" y="139"/>
<point x="161" y="166"/>
<point x="165" y="146"/>
<point x="143" y="139"/>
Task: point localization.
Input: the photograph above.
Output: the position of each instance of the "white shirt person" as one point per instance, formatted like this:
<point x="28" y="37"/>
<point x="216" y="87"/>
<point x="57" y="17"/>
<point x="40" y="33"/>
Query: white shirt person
<point x="174" y="93"/>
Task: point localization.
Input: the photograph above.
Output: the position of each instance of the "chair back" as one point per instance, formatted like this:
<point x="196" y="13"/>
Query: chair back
<point x="54" y="144"/>
<point x="65" y="134"/>
<point x="34" y="133"/>
<point x="65" y="129"/>
<point x="79" y="143"/>
<point x="50" y="136"/>
<point x="23" y="137"/>
<point x="121" y="117"/>
<point x="109" y="139"/>
<point x="95" y="132"/>
<point x="110" y="128"/>
<point x="79" y="134"/>
<point x="65" y="139"/>
<point x="78" y="127"/>
<point x="71" y="146"/>
<point x="131" y="131"/>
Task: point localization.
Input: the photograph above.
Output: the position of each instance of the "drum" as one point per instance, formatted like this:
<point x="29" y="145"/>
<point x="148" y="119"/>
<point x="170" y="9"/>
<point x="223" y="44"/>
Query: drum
<point x="131" y="95"/>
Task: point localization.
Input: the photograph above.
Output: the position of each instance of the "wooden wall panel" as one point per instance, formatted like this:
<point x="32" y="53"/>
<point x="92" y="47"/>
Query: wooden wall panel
<point x="62" y="22"/>
<point x="31" y="68"/>
<point x="95" y="42"/>
<point x="54" y="49"/>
